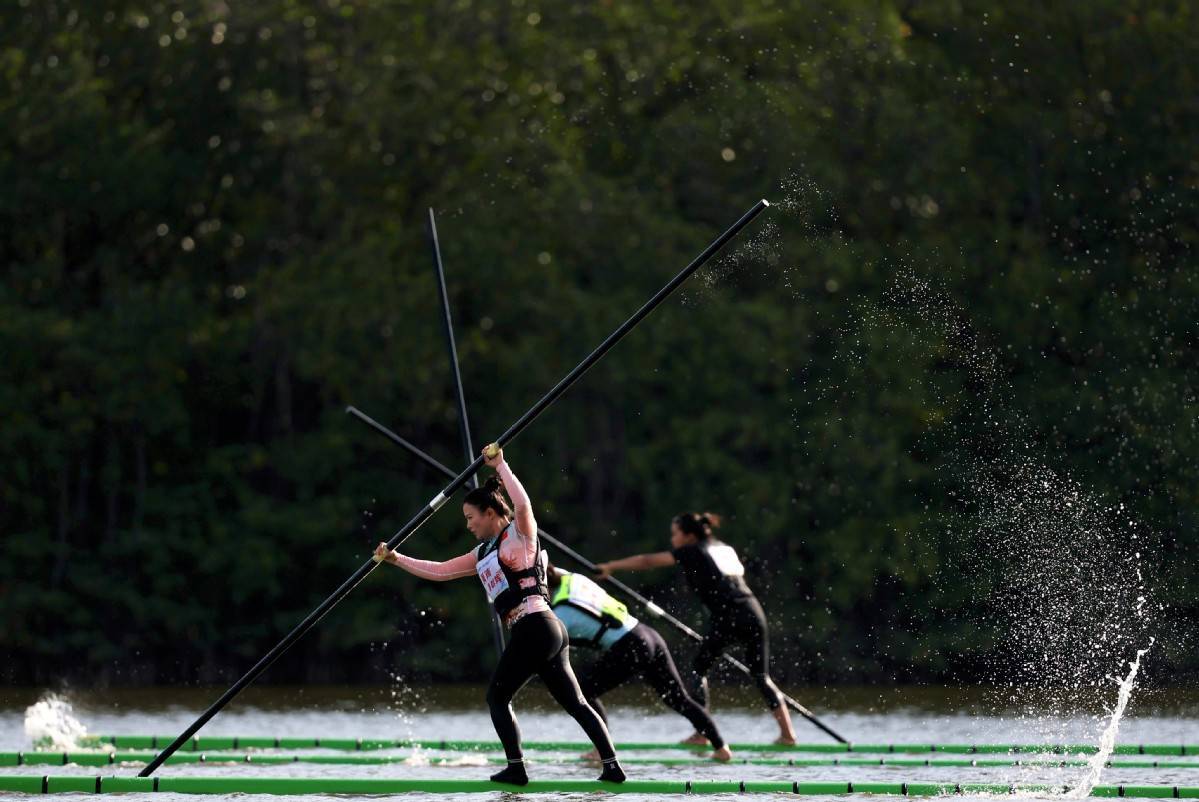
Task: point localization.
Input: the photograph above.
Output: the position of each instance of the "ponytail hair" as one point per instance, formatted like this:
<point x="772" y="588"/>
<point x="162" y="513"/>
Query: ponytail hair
<point x="699" y="524"/>
<point x="488" y="496"/>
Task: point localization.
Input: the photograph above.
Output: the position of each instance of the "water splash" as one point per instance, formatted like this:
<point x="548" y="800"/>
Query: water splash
<point x="1059" y="576"/>
<point x="50" y="723"/>
<point x="407" y="703"/>
<point x="1107" y="743"/>
<point x="762" y="256"/>
<point x="757" y="250"/>
<point x="421" y="758"/>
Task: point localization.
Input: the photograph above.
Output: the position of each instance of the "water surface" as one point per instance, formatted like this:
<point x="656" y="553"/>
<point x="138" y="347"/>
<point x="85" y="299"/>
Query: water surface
<point x="865" y="715"/>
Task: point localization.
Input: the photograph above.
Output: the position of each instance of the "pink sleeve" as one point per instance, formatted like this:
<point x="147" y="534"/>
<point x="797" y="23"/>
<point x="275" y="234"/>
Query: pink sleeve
<point x="440" y="572"/>
<point x="526" y="524"/>
<point x="513" y="487"/>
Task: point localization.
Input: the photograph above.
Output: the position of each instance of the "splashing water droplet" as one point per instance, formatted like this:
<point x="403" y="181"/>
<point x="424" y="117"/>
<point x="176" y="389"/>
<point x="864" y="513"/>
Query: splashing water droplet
<point x="50" y="723"/>
<point x="1107" y="743"/>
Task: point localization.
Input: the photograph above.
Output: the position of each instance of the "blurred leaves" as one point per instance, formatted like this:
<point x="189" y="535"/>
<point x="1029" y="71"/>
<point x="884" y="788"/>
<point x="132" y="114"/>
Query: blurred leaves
<point x="212" y="233"/>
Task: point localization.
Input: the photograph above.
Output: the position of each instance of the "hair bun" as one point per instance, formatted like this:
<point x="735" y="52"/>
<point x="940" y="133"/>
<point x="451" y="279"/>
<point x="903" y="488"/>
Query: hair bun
<point x="492" y="484"/>
<point x="711" y="519"/>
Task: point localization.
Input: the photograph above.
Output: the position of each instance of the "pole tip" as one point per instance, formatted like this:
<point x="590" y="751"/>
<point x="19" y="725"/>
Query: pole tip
<point x="350" y="410"/>
<point x="765" y="202"/>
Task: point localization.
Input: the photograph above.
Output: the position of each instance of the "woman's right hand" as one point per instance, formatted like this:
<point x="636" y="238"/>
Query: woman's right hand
<point x="493" y="455"/>
<point x="383" y="554"/>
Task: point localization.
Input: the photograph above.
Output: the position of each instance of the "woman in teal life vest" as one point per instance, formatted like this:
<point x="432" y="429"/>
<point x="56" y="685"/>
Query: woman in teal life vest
<point x="508" y="563"/>
<point x="628" y="648"/>
<point x="715" y="574"/>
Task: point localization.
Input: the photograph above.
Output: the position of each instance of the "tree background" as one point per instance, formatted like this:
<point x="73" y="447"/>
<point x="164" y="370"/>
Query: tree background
<point x="212" y="237"/>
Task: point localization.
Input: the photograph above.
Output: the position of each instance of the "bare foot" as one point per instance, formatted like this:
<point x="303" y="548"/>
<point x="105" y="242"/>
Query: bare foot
<point x="592" y="756"/>
<point x="723" y="754"/>
<point x="695" y="739"/>
<point x="785" y="740"/>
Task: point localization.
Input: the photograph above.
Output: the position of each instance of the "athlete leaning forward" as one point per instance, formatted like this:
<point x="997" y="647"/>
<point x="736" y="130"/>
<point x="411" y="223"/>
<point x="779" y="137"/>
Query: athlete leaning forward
<point x="628" y="648"/>
<point x="509" y="564"/>
<point x="716" y="575"/>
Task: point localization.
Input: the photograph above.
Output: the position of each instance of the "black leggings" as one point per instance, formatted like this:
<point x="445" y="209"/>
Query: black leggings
<point x="538" y="644"/>
<point x="643" y="653"/>
<point x="738" y="623"/>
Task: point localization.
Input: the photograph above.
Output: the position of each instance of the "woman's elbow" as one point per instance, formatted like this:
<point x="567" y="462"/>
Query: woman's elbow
<point x="446" y="576"/>
<point x="431" y="575"/>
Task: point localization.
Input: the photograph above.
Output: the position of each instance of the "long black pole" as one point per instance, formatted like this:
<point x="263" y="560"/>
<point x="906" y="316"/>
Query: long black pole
<point x="435" y="503"/>
<point x="649" y="605"/>
<point x="468" y="449"/>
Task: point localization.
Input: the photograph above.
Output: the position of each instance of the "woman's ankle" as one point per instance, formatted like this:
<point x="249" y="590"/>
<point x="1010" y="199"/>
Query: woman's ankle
<point x="513" y="774"/>
<point x="612" y="772"/>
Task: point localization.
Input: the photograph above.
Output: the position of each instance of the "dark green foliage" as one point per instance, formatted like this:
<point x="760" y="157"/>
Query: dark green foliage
<point x="211" y="231"/>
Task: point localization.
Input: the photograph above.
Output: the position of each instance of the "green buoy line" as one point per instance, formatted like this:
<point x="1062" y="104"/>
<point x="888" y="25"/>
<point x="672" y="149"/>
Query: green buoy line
<point x="8" y="759"/>
<point x="218" y="743"/>
<point x="339" y="785"/>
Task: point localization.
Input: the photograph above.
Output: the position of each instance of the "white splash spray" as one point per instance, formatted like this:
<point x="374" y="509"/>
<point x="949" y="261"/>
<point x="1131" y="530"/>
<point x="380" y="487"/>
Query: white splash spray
<point x="1107" y="743"/>
<point x="422" y="758"/>
<point x="406" y="703"/>
<point x="50" y="723"/>
<point x="798" y="210"/>
<point x="1059" y="566"/>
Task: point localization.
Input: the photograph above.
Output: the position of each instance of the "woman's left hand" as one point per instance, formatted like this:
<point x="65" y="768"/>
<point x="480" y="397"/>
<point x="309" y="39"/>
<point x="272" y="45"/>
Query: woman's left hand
<point x="492" y="461"/>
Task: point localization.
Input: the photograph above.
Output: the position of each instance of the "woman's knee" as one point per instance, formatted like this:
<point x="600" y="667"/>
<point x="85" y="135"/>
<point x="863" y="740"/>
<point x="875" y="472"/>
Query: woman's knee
<point x="677" y="700"/>
<point x="575" y="704"/>
<point x="497" y="697"/>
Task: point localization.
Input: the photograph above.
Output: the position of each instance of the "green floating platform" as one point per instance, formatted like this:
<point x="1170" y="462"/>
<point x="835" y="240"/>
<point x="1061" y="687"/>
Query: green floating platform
<point x="269" y="759"/>
<point x="221" y="743"/>
<point x="334" y="785"/>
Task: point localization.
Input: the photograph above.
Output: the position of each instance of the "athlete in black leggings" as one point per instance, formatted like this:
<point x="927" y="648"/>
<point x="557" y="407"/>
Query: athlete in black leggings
<point x="628" y="648"/>
<point x="716" y="575"/>
<point x="509" y="564"/>
<point x="539" y="645"/>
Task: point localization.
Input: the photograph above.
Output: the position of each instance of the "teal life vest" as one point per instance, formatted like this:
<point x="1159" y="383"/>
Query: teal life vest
<point x="592" y="617"/>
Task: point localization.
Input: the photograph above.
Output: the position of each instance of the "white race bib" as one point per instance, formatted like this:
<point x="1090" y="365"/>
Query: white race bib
<point x="726" y="560"/>
<point x="491" y="575"/>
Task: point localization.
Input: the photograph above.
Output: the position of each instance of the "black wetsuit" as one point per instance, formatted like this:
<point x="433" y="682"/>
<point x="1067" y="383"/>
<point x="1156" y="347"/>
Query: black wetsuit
<point x="643" y="653"/>
<point x="538" y="645"/>
<point x="629" y="648"/>
<point x="718" y="578"/>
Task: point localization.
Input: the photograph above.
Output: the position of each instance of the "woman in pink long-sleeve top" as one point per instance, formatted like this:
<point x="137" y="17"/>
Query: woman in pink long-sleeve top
<point x="506" y="562"/>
